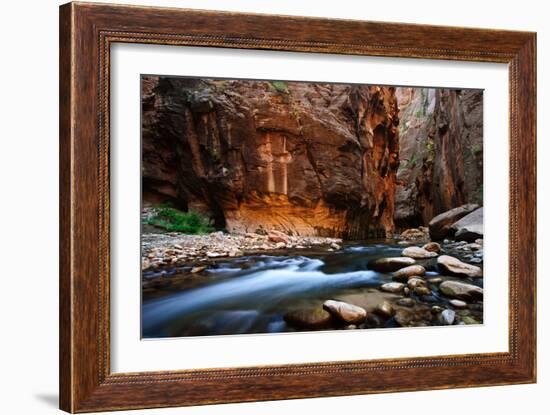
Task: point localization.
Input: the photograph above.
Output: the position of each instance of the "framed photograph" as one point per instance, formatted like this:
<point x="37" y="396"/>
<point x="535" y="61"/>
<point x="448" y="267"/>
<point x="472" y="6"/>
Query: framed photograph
<point x="260" y="207"/>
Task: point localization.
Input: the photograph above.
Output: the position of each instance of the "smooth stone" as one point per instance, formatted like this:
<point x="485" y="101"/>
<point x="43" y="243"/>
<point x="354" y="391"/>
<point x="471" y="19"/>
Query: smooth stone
<point x="201" y="268"/>
<point x="309" y="318"/>
<point x="479" y="241"/>
<point x="406" y="302"/>
<point x="470" y="320"/>
<point x="393" y="287"/>
<point x="415" y="282"/>
<point x="458" y="303"/>
<point x="418" y="253"/>
<point x="460" y="290"/>
<point x="432" y="247"/>
<point x="436" y="309"/>
<point x="216" y="254"/>
<point x="435" y="280"/>
<point x="406" y="291"/>
<point x="447" y="317"/>
<point x="390" y="264"/>
<point x="403" y="317"/>
<point x="384" y="309"/>
<point x="454" y="266"/>
<point x="422" y="291"/>
<point x="346" y="312"/>
<point x="334" y="245"/>
<point x="440" y="225"/>
<point x="404" y="273"/>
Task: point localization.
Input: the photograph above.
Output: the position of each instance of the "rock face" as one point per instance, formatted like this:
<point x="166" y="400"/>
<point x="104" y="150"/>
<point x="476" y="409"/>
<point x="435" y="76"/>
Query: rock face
<point x="453" y="266"/>
<point x="440" y="151"/>
<point x="441" y="225"/>
<point x="302" y="158"/>
<point x="470" y="227"/>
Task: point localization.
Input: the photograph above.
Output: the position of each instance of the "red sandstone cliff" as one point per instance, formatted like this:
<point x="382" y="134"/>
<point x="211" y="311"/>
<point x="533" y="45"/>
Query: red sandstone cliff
<point x="441" y="152"/>
<point x="304" y="158"/>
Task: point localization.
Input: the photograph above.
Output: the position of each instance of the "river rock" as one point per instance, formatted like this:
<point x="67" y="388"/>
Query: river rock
<point x="458" y="303"/>
<point x="346" y="312"/>
<point x="198" y="269"/>
<point x="414" y="282"/>
<point x="390" y="264"/>
<point x="414" y="234"/>
<point x="447" y="317"/>
<point x="403" y="317"/>
<point x="440" y="225"/>
<point x="436" y="309"/>
<point x="393" y="287"/>
<point x="454" y="266"/>
<point x="277" y="236"/>
<point x="404" y="273"/>
<point x="461" y="290"/>
<point x="432" y="247"/>
<point x="422" y="291"/>
<point x="406" y="302"/>
<point x="470" y="227"/>
<point x="385" y="309"/>
<point x="210" y="254"/>
<point x="417" y="253"/>
<point x="312" y="318"/>
<point x="469" y="320"/>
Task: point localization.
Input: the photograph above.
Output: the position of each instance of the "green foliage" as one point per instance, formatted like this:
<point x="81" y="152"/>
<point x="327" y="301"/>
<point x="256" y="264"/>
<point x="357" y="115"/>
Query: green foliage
<point x="174" y="220"/>
<point x="476" y="149"/>
<point x="281" y="87"/>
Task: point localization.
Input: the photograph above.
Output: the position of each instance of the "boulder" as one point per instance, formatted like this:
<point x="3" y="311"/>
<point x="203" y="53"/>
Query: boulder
<point x="418" y="253"/>
<point x="390" y="264"/>
<point x="470" y="227"/>
<point x="440" y="225"/>
<point x="451" y="265"/>
<point x="403" y="274"/>
<point x="393" y="287"/>
<point x="346" y="312"/>
<point x="461" y="290"/>
<point x="310" y="318"/>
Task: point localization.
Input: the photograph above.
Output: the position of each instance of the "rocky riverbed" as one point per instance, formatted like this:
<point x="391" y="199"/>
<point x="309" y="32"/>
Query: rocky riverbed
<point x="228" y="284"/>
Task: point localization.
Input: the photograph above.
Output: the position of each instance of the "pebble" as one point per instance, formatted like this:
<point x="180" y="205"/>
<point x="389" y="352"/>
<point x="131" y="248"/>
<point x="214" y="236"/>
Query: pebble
<point x="448" y="317"/>
<point x="458" y="303"/>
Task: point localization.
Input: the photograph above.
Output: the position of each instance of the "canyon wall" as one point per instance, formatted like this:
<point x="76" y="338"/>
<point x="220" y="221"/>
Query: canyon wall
<point x="303" y="158"/>
<point x="441" y="152"/>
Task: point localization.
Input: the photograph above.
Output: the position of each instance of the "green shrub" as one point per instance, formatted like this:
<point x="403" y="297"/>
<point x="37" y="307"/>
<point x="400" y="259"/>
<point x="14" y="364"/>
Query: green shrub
<point x="174" y="220"/>
<point x="281" y="87"/>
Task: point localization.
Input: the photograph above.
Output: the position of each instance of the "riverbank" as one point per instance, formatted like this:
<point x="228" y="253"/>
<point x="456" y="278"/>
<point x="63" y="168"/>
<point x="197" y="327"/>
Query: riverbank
<point x="175" y="249"/>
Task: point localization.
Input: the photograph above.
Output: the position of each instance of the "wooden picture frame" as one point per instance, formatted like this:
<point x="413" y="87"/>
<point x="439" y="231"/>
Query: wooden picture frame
<point x="86" y="33"/>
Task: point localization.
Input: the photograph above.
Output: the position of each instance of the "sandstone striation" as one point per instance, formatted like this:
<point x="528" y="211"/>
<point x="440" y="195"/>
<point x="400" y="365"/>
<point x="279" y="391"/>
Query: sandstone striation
<point x="302" y="158"/>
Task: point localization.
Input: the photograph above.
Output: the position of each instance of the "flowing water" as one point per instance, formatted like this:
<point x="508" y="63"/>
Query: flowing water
<point x="251" y="294"/>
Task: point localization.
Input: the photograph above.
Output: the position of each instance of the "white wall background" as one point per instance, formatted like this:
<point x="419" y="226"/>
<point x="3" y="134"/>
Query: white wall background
<point x="29" y="207"/>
